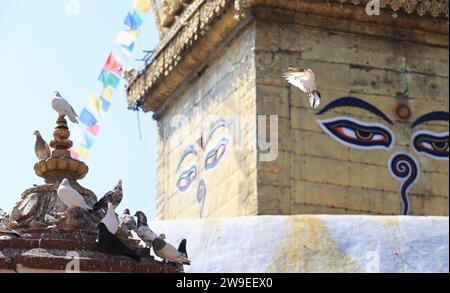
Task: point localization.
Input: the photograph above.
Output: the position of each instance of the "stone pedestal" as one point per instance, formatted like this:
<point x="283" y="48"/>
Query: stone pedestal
<point x="55" y="250"/>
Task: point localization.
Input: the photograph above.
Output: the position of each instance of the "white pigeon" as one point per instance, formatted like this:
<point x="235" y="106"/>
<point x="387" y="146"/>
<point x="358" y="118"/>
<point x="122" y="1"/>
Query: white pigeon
<point x="305" y="80"/>
<point x="168" y="252"/>
<point x="70" y="197"/>
<point x="63" y="107"/>
<point x="111" y="220"/>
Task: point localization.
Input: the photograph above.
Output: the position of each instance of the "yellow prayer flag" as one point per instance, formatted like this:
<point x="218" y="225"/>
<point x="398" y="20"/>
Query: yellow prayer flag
<point x="135" y="33"/>
<point x="142" y="5"/>
<point x="95" y="103"/>
<point x="107" y="93"/>
<point x="83" y="152"/>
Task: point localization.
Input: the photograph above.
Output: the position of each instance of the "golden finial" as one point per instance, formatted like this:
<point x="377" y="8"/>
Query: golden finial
<point x="61" y="165"/>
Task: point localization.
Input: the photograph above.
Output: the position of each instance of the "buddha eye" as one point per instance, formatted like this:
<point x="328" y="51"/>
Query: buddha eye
<point x="358" y="134"/>
<point x="186" y="179"/>
<point x="214" y="156"/>
<point x="433" y="145"/>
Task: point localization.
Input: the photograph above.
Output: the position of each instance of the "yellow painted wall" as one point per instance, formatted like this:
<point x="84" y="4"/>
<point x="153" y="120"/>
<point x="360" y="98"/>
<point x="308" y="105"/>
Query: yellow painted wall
<point x="316" y="174"/>
<point x="313" y="173"/>
<point x="225" y="90"/>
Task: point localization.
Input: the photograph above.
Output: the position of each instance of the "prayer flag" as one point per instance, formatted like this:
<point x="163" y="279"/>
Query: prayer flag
<point x="87" y="118"/>
<point x="94" y="129"/>
<point x="142" y="5"/>
<point x="107" y="93"/>
<point x="133" y="20"/>
<point x="109" y="79"/>
<point x="82" y="152"/>
<point x="125" y="38"/>
<point x="112" y="65"/>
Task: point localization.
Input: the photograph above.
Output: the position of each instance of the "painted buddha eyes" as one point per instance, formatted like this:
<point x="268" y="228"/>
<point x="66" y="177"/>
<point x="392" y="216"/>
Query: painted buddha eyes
<point x="214" y="156"/>
<point x="434" y="145"/>
<point x="212" y="160"/>
<point x="187" y="178"/>
<point x="357" y="134"/>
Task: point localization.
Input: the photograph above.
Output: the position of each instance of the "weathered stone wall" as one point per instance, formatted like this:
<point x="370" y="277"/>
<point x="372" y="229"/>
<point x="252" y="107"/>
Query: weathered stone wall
<point x="222" y="90"/>
<point x="315" y="174"/>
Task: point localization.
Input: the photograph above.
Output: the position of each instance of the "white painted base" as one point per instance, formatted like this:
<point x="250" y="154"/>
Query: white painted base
<point x="312" y="243"/>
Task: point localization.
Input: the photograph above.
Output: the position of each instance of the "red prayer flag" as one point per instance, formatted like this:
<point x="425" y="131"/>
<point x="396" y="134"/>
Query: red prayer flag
<point x="94" y="129"/>
<point x="112" y="65"/>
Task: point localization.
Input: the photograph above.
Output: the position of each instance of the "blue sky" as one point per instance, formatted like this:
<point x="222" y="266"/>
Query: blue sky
<point x="43" y="49"/>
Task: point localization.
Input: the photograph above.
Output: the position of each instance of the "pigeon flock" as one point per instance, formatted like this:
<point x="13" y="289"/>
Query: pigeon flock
<point x="111" y="223"/>
<point x="111" y="226"/>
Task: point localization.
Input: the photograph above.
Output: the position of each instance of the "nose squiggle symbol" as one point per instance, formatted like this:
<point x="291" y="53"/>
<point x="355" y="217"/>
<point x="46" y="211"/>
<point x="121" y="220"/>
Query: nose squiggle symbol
<point x="201" y="195"/>
<point x="405" y="169"/>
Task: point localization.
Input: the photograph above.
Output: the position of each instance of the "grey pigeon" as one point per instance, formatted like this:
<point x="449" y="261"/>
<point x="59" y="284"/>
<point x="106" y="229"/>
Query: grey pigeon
<point x="63" y="108"/>
<point x="114" y="196"/>
<point x="111" y="244"/>
<point x="70" y="197"/>
<point x="168" y="252"/>
<point x="127" y="221"/>
<point x="305" y="80"/>
<point x="143" y="230"/>
<point x="41" y="147"/>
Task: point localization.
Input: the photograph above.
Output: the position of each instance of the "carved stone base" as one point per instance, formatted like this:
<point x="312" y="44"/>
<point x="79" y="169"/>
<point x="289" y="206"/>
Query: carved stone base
<point x="40" y="207"/>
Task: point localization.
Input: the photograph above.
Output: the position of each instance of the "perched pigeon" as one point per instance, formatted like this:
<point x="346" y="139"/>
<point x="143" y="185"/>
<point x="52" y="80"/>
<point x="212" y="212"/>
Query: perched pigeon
<point x="305" y="80"/>
<point x="183" y="251"/>
<point x="143" y="230"/>
<point x="111" y="244"/>
<point x="4" y="230"/>
<point x="41" y="147"/>
<point x="127" y="221"/>
<point x="111" y="220"/>
<point x="63" y="107"/>
<point x="70" y="197"/>
<point x="167" y="252"/>
<point x="114" y="196"/>
<point x="182" y="248"/>
<point x="129" y="74"/>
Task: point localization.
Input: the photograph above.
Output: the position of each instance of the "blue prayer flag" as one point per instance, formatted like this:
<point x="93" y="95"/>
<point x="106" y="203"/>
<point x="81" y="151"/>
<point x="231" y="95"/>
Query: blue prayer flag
<point x="87" y="118"/>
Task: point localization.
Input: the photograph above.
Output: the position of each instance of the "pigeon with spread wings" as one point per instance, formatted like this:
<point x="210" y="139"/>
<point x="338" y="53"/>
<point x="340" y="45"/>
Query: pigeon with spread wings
<point x="114" y="196"/>
<point x="305" y="80"/>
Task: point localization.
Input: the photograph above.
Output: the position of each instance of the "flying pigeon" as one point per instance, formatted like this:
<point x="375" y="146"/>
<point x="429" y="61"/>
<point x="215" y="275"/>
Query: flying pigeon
<point x="143" y="230"/>
<point x="305" y="80"/>
<point x="114" y="196"/>
<point x="111" y="244"/>
<point x="167" y="252"/>
<point x="63" y="107"/>
<point x="127" y="221"/>
<point x="41" y="147"/>
<point x="70" y="197"/>
<point x="4" y="230"/>
<point x="111" y="220"/>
